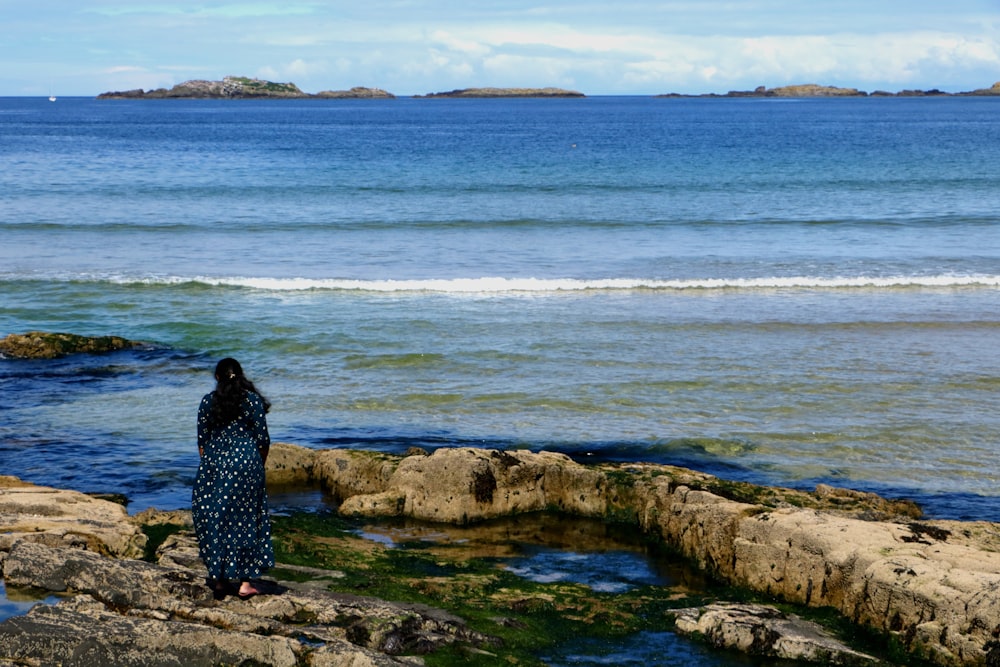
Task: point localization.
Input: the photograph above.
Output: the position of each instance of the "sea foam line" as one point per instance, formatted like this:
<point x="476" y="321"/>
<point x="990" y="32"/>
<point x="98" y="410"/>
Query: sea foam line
<point x="491" y="285"/>
<point x="501" y="285"/>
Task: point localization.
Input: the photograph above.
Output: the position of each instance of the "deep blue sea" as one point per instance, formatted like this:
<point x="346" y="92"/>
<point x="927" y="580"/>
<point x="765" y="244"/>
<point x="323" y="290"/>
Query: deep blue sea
<point x="781" y="291"/>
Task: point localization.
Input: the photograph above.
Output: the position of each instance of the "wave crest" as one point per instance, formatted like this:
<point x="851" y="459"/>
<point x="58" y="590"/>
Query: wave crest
<point x="501" y="285"/>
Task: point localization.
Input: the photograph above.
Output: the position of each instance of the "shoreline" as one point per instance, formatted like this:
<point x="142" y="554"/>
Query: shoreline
<point x="925" y="585"/>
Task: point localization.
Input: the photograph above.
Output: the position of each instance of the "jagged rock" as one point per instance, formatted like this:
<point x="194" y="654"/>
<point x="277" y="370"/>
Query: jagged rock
<point x="65" y="518"/>
<point x="132" y="612"/>
<point x="462" y="485"/>
<point x="44" y="345"/>
<point x="934" y="585"/>
<point x="765" y="631"/>
<point x="85" y="634"/>
<point x="451" y="486"/>
<point x="290" y="465"/>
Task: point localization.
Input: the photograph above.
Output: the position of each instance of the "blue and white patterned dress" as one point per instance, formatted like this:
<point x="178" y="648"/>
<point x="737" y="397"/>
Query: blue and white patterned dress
<point x="229" y="500"/>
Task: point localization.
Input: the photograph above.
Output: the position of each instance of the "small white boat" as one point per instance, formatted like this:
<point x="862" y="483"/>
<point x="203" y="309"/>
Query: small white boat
<point x="52" y="98"/>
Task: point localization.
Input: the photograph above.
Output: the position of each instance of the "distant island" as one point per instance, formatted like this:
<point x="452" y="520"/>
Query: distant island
<point x="814" y="90"/>
<point x="238" y="87"/>
<point x="507" y="92"/>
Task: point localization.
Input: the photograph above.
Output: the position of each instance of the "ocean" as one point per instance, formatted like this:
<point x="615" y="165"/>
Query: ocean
<point x="786" y="292"/>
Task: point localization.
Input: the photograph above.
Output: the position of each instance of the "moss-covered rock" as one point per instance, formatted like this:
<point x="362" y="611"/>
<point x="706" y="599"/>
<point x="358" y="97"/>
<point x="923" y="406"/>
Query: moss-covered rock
<point x="45" y="345"/>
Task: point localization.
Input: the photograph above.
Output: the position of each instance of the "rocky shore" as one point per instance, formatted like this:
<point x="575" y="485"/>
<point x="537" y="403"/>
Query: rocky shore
<point x="933" y="587"/>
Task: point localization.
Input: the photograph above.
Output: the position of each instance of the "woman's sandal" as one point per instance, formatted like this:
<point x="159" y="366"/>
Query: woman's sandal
<point x="246" y="595"/>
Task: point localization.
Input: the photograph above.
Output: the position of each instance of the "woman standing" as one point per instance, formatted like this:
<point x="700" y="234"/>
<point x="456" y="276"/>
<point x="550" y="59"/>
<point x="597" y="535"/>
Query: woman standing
<point x="229" y="500"/>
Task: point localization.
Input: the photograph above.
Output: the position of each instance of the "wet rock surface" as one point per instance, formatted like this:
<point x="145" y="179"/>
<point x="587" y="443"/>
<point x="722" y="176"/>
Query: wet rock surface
<point x="128" y="612"/>
<point x="765" y="631"/>
<point x="63" y="518"/>
<point x="933" y="586"/>
<point x="47" y="345"/>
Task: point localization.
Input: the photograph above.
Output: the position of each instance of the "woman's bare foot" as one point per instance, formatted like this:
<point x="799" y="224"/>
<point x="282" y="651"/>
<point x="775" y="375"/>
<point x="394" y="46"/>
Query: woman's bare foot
<point x="247" y="591"/>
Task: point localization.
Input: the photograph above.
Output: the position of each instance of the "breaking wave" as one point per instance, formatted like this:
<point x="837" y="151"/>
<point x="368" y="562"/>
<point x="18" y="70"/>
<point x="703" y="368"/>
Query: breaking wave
<point x="502" y="285"/>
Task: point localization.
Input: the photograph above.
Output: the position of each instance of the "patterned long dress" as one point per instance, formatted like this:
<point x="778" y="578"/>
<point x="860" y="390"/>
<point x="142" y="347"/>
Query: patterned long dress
<point x="229" y="500"/>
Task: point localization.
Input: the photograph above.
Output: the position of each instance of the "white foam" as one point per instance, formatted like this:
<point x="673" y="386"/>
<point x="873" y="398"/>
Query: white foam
<point x="502" y="285"/>
<point x="491" y="285"/>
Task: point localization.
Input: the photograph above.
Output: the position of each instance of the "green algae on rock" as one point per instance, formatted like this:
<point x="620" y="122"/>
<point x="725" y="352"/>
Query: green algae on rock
<point x="46" y="345"/>
<point x="930" y="585"/>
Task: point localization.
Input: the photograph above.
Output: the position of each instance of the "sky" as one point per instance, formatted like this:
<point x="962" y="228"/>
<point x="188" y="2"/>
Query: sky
<point x="414" y="47"/>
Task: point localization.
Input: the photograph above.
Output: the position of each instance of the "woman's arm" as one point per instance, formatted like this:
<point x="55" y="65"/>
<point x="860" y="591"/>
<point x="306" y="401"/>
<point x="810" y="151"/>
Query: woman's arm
<point x="204" y="413"/>
<point x="260" y="432"/>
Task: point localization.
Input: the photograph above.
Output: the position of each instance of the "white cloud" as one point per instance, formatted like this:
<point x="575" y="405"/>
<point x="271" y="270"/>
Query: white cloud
<point x="462" y="45"/>
<point x="230" y="10"/>
<point x="268" y="73"/>
<point x="299" y="71"/>
<point x="513" y="70"/>
<point x="132" y="77"/>
<point x="408" y="47"/>
<point x="299" y="67"/>
<point x="657" y="72"/>
<point x="121" y="69"/>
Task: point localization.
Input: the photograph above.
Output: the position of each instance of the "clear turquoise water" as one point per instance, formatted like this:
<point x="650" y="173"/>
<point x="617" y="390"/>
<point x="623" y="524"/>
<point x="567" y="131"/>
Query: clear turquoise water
<point x="786" y="292"/>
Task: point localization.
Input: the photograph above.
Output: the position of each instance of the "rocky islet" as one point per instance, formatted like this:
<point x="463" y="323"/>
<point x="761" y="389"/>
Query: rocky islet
<point x="241" y="87"/>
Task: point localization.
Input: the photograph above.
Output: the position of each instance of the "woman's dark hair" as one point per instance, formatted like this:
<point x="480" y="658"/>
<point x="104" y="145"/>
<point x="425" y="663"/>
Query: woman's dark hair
<point x="230" y="389"/>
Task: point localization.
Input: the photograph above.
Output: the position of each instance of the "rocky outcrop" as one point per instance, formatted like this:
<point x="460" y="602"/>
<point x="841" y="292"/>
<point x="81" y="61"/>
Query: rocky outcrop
<point x="933" y="92"/>
<point x="356" y="93"/>
<point x="45" y="345"/>
<point x="235" y="87"/>
<point x="762" y="630"/>
<point x="986" y="92"/>
<point x="129" y="612"/>
<point x="799" y="90"/>
<point x="506" y="92"/>
<point x="815" y="90"/>
<point x="120" y="611"/>
<point x="240" y="87"/>
<point x="231" y="87"/>
<point x="463" y="485"/>
<point x="63" y="518"/>
<point x="934" y="585"/>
